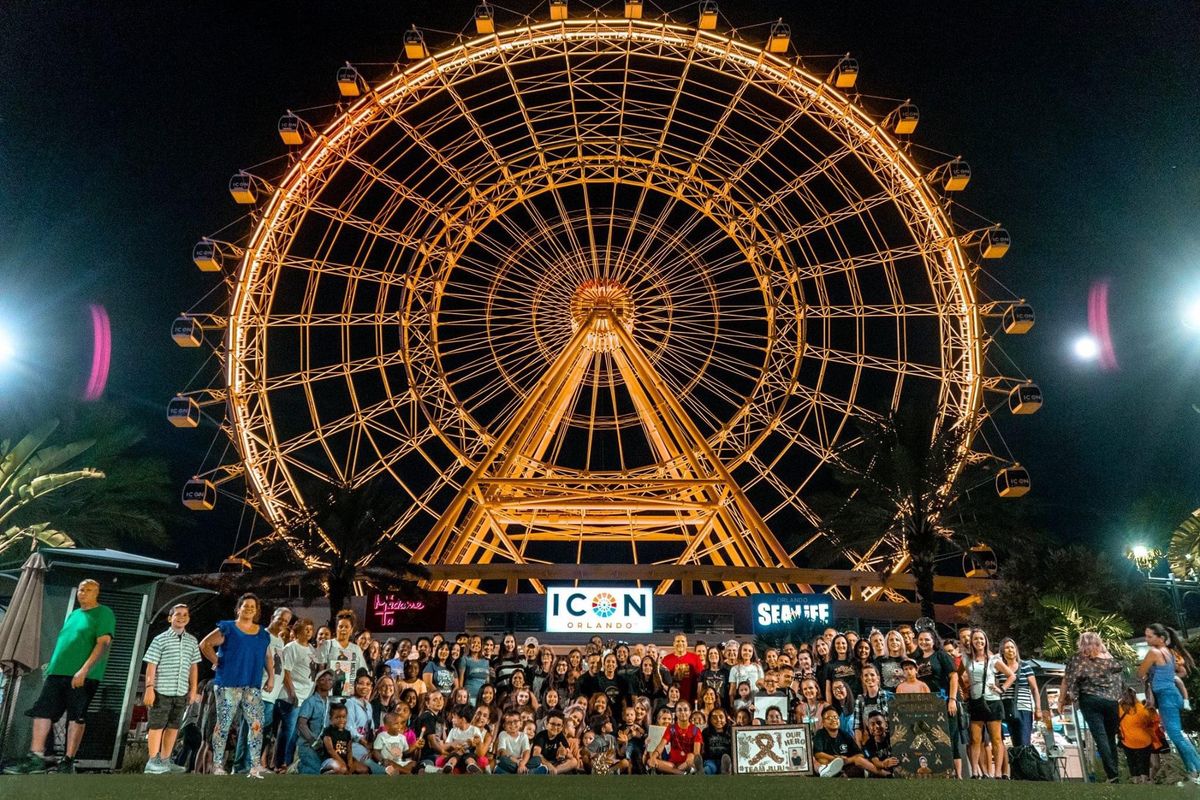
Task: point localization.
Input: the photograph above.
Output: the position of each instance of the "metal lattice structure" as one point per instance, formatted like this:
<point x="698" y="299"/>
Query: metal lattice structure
<point x="596" y="291"/>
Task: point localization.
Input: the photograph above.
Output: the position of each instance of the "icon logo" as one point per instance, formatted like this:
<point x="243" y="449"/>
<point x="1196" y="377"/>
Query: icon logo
<point x="604" y="605"/>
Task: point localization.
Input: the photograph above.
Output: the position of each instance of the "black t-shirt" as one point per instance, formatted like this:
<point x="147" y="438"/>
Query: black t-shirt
<point x="890" y="673"/>
<point x="616" y="689"/>
<point x="426" y="723"/>
<point x="716" y="743"/>
<point x="936" y="671"/>
<point x="554" y="749"/>
<point x="843" y="671"/>
<point x="718" y="679"/>
<point x="340" y="738"/>
<point x="840" y="744"/>
<point x="880" y="750"/>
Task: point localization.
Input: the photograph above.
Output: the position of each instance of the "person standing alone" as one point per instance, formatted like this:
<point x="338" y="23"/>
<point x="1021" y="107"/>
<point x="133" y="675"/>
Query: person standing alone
<point x="72" y="677"/>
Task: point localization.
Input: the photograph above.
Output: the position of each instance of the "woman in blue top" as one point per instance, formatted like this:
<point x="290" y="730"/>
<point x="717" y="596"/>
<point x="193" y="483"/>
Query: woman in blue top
<point x="1160" y="667"/>
<point x="474" y="670"/>
<point x="238" y="652"/>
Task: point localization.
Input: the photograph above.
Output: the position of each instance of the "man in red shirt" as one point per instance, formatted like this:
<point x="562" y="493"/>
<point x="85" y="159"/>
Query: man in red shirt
<point x="685" y="668"/>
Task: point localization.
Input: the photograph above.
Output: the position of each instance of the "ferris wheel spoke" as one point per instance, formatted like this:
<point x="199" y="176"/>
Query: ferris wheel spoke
<point x="342" y="369"/>
<point x="355" y="272"/>
<point x="369" y="226"/>
<point x="867" y="361"/>
<point x="898" y="311"/>
<point x="831" y="219"/>
<point x="315" y="320"/>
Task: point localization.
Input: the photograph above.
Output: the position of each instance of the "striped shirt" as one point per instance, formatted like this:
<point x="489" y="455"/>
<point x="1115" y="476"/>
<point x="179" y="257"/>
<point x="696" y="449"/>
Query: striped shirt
<point x="173" y="655"/>
<point x="1021" y="691"/>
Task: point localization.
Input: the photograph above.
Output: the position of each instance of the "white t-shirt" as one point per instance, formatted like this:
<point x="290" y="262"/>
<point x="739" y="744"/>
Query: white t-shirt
<point x="512" y="746"/>
<point x="275" y="653"/>
<point x="745" y="673"/>
<point x="456" y="734"/>
<point x="298" y="660"/>
<point x="392" y="748"/>
<point x="345" y="663"/>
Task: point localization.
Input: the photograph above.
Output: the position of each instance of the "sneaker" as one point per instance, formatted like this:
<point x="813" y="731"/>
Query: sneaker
<point x="833" y="768"/>
<point x="32" y="764"/>
<point x="156" y="766"/>
<point x="66" y="767"/>
<point x="473" y="768"/>
<point x="448" y="769"/>
<point x="175" y="769"/>
<point x="540" y="769"/>
<point x="219" y="769"/>
<point x="726" y="764"/>
<point x="257" y="771"/>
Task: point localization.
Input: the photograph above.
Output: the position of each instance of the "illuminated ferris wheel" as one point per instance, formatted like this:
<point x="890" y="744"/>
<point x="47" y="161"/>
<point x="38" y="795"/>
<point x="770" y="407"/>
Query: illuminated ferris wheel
<point x="596" y="290"/>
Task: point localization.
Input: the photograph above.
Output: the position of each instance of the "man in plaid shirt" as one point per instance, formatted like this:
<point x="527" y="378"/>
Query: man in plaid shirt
<point x="171" y="674"/>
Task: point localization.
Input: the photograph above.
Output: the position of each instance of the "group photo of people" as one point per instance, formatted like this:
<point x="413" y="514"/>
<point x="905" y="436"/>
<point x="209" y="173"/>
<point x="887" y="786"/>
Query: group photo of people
<point x="289" y="695"/>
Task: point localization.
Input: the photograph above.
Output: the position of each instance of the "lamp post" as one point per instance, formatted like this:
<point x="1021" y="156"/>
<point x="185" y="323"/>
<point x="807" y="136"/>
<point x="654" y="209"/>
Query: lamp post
<point x="1146" y="559"/>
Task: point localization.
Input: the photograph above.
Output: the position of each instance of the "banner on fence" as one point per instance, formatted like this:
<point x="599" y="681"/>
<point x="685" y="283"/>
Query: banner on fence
<point x="772" y="749"/>
<point x="920" y="734"/>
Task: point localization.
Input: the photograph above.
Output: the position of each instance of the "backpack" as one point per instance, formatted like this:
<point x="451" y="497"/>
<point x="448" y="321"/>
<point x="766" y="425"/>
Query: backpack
<point x="1028" y="764"/>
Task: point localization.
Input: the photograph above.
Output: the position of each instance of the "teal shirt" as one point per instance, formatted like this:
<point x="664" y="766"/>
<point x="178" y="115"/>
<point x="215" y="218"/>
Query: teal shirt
<point x="77" y="640"/>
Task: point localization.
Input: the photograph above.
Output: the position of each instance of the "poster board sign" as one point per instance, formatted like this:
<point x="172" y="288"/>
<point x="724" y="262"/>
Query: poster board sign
<point x="772" y="750"/>
<point x="762" y="702"/>
<point x="654" y="737"/>
<point x="920" y="736"/>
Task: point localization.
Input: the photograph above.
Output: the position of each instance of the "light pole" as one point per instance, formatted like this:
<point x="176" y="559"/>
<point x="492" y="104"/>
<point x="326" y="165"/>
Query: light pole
<point x="1146" y="559"/>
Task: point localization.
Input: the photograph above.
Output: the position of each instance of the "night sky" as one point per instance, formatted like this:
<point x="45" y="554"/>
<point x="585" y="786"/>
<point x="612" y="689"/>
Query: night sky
<point x="120" y="124"/>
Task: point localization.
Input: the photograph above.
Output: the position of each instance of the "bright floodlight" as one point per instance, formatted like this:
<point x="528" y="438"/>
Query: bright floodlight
<point x="1191" y="315"/>
<point x="8" y="349"/>
<point x="1086" y="348"/>
<point x="1140" y="551"/>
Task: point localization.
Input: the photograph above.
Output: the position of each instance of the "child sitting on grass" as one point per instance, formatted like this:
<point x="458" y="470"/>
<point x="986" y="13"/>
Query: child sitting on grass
<point x="464" y="744"/>
<point x="718" y="744"/>
<point x="602" y="751"/>
<point x="551" y="745"/>
<point x="395" y="742"/>
<point x="339" y="755"/>
<point x="513" y="753"/>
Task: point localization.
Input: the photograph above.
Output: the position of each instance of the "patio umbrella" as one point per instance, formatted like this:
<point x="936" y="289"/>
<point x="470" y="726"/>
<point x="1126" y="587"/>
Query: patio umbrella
<point x="21" y="628"/>
<point x="21" y="634"/>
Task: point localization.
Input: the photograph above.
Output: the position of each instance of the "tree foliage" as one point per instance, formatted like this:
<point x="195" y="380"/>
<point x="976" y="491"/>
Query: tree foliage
<point x="1071" y="617"/>
<point x="1041" y="570"/>
<point x="83" y="482"/>
<point x="1183" y="553"/>
<point x="900" y="483"/>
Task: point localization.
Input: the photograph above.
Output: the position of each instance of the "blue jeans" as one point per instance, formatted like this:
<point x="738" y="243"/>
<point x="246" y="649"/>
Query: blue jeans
<point x="711" y="767"/>
<point x="285" y="745"/>
<point x="1169" y="704"/>
<point x="1020" y="727"/>
<point x="310" y="760"/>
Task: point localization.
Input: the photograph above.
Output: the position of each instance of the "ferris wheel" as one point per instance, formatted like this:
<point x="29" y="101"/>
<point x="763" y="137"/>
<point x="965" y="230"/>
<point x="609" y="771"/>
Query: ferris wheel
<point x="596" y="289"/>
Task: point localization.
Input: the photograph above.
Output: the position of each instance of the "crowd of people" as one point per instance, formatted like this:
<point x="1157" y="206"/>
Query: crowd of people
<point x="314" y="700"/>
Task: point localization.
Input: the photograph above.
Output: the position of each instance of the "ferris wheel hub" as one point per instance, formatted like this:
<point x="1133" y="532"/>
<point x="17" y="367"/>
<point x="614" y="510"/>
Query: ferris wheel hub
<point x="597" y="302"/>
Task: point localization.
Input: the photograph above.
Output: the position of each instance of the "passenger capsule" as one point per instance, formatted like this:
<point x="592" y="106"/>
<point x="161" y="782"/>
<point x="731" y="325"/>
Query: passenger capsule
<point x="199" y="495"/>
<point x="1025" y="399"/>
<point x="206" y="256"/>
<point x="183" y="412"/>
<point x="187" y="332"/>
<point x="995" y="243"/>
<point x="241" y="186"/>
<point x="1018" y="319"/>
<point x="1013" y="482"/>
<point x="780" y="38"/>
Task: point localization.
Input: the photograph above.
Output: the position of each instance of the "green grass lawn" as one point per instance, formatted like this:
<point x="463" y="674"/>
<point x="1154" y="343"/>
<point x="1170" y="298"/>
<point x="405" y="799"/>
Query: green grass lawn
<point x="294" y="787"/>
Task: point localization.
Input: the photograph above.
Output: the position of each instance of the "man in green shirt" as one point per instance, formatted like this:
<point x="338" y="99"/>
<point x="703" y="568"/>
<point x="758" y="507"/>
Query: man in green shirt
<point x="74" y="673"/>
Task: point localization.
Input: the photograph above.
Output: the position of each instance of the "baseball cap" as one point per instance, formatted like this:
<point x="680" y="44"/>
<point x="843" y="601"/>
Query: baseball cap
<point x="904" y="662"/>
<point x="532" y="640"/>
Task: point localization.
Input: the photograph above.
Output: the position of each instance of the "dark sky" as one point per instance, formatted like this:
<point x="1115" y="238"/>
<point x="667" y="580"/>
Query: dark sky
<point x="120" y="124"/>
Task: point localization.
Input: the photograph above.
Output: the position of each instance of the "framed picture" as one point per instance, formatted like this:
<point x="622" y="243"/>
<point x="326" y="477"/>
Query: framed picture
<point x="762" y="702"/>
<point x="772" y="750"/>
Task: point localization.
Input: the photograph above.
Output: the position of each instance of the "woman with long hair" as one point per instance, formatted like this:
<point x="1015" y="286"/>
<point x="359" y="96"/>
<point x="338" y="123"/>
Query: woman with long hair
<point x="935" y="668"/>
<point x="299" y="665"/>
<point x="1093" y="679"/>
<point x="839" y="667"/>
<point x="715" y="676"/>
<point x="384" y="699"/>
<point x="811" y="703"/>
<point x="747" y="670"/>
<point x="981" y="673"/>
<point x="1022" y="701"/>
<point x="439" y="674"/>
<point x="543" y="667"/>
<point x="843" y="701"/>
<point x="1165" y="661"/>
<point x="647" y="681"/>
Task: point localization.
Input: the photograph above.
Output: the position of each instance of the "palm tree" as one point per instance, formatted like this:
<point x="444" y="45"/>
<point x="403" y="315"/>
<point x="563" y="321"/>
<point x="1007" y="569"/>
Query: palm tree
<point x="27" y="475"/>
<point x="901" y="482"/>
<point x="120" y="497"/>
<point x="1075" y="616"/>
<point x="343" y="534"/>
<point x="1183" y="554"/>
